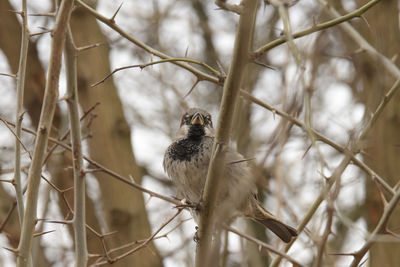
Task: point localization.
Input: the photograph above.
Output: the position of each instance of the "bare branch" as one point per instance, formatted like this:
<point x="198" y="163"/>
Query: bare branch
<point x="380" y="228"/>
<point x="326" y="140"/>
<point x="18" y="139"/>
<point x="108" y="171"/>
<point x="264" y="245"/>
<point x="340" y="19"/>
<point x="79" y="219"/>
<point x="199" y="74"/>
<point x="230" y="95"/>
<point x="387" y="63"/>
<point x="20" y="113"/>
<point x="46" y="118"/>
<point x="148" y="240"/>
<point x="142" y="66"/>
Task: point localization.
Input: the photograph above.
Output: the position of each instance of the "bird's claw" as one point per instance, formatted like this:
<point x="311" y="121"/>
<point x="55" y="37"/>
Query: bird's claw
<point x="196" y="237"/>
<point x="188" y="204"/>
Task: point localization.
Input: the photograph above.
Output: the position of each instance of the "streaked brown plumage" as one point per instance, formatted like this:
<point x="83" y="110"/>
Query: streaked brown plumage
<point x="186" y="163"/>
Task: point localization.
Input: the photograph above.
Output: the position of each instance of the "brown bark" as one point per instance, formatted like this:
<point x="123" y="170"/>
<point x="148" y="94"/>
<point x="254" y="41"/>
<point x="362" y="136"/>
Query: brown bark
<point x="382" y="150"/>
<point x="111" y="145"/>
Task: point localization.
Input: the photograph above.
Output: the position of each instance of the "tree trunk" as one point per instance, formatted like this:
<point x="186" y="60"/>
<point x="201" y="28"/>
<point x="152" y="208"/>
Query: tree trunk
<point x="382" y="150"/>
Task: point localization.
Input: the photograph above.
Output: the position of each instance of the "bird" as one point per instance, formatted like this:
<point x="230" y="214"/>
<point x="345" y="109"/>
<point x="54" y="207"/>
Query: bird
<point x="186" y="162"/>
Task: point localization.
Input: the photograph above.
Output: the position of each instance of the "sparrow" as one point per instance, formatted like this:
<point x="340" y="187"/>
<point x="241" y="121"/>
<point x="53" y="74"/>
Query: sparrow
<point x="186" y="162"/>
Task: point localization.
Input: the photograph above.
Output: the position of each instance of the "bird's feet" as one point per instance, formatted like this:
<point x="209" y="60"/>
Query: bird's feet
<point x="187" y="204"/>
<point x="196" y="237"/>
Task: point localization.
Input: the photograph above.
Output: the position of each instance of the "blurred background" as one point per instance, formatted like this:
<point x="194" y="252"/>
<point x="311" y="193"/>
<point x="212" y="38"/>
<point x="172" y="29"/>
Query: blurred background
<point x="335" y="83"/>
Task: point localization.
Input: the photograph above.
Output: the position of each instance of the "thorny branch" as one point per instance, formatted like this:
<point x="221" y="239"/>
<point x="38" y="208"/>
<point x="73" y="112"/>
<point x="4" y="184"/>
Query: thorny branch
<point x="231" y="90"/>
<point x="144" y="65"/>
<point x="142" y="245"/>
<point x="264" y="245"/>
<point x="79" y="219"/>
<point x="106" y="170"/>
<point x="23" y="57"/>
<point x="46" y="118"/>
<point x="111" y="23"/>
<point x="315" y="28"/>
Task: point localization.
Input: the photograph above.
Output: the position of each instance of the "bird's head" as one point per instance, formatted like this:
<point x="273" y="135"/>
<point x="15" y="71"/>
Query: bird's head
<point x="196" y="123"/>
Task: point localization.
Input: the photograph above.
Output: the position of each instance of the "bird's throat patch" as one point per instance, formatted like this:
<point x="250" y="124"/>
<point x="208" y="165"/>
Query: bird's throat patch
<point x="196" y="132"/>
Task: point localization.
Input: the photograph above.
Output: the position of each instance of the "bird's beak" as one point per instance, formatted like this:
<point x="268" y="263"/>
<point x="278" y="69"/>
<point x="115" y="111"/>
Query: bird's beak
<point x="197" y="119"/>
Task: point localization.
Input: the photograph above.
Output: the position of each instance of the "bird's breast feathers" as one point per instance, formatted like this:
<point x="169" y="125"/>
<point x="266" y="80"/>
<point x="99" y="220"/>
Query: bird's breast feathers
<point x="186" y="163"/>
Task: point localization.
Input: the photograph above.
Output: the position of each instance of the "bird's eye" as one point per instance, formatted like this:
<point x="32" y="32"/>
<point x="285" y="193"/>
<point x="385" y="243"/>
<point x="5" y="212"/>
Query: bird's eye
<point x="185" y="119"/>
<point x="208" y="120"/>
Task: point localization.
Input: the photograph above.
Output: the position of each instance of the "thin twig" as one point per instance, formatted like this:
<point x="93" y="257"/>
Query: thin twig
<point x="340" y="19"/>
<point x="326" y="140"/>
<point x="142" y="66"/>
<point x="79" y="219"/>
<point x="18" y="139"/>
<point x="364" y="45"/>
<point x="199" y="74"/>
<point x="108" y="171"/>
<point x="261" y="244"/>
<point x="148" y="240"/>
<point x="8" y="75"/>
<point x="20" y="113"/>
<point x="379" y="229"/>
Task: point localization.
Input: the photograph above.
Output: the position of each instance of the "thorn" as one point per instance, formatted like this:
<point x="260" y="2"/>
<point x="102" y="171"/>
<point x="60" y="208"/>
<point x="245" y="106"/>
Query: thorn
<point x="384" y="201"/>
<point x="365" y="20"/>
<point x="394" y="58"/>
<point x="359" y="50"/>
<point x="314" y="21"/>
<point x="39" y="33"/>
<point x="187" y="51"/>
<point x="92" y="170"/>
<point x="221" y="69"/>
<point x="264" y="65"/>
<point x="16" y="12"/>
<point x="305" y="152"/>
<point x="42" y="14"/>
<point x="13" y="250"/>
<point x="9" y="75"/>
<point x="87" y="47"/>
<point x="112" y="19"/>
<point x="67" y="189"/>
<point x="43" y="233"/>
<point x="131" y="178"/>
<point x="242" y="160"/>
<point x="109" y="234"/>
<point x="342" y="254"/>
<point x="44" y="28"/>
<point x="362" y="263"/>
<point x="191" y="89"/>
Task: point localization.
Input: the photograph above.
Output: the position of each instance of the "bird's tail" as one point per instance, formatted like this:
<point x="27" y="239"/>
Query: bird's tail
<point x="282" y="230"/>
